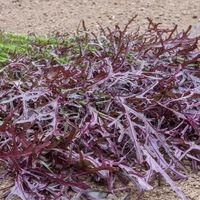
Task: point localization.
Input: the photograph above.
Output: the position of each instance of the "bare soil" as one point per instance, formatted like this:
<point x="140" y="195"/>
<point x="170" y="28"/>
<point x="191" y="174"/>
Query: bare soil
<point x="44" y="16"/>
<point x="47" y="16"/>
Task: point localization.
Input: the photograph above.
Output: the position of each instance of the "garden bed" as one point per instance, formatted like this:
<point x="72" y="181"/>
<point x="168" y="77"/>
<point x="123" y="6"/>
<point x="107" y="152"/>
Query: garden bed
<point x="57" y="56"/>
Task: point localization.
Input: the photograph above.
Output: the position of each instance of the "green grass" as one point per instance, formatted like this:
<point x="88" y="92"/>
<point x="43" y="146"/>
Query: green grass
<point x="13" y="44"/>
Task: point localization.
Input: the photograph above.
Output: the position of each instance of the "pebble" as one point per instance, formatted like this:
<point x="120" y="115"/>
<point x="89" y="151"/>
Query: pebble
<point x="194" y="17"/>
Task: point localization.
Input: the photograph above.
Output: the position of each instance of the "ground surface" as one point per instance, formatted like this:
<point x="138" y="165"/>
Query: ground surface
<point x="45" y="16"/>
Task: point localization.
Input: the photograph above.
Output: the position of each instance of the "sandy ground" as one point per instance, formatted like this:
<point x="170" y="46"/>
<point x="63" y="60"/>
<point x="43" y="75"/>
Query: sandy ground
<point x="46" y="16"/>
